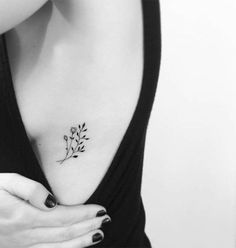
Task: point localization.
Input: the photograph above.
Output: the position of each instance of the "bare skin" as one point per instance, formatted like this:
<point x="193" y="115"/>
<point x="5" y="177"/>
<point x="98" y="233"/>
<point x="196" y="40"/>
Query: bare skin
<point x="27" y="221"/>
<point x="80" y="54"/>
<point x="72" y="62"/>
<point x="14" y="12"/>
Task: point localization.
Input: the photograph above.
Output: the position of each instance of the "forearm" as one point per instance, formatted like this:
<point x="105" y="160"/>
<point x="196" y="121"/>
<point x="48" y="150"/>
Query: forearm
<point x="13" y="12"/>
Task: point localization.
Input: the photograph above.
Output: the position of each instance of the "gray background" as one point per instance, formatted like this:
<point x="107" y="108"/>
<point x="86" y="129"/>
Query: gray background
<point x="190" y="158"/>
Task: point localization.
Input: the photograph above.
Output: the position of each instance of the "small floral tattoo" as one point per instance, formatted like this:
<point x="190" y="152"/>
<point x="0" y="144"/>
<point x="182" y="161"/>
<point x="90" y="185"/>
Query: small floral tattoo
<point x="74" y="142"/>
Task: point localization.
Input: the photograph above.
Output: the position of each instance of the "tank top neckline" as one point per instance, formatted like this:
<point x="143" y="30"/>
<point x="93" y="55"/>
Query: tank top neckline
<point x="135" y="114"/>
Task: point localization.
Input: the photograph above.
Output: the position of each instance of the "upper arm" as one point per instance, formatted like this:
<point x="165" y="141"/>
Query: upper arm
<point x="13" y="12"/>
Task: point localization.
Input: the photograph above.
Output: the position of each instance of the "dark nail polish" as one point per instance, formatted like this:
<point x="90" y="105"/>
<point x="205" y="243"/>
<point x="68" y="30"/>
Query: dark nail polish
<point x="101" y="213"/>
<point x="105" y="221"/>
<point x="97" y="237"/>
<point x="50" y="201"/>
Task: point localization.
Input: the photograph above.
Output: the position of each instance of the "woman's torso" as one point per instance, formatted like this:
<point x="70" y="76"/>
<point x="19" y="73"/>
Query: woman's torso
<point x="72" y="62"/>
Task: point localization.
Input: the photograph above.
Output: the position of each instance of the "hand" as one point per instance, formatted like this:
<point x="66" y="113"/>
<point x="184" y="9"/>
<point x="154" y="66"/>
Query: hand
<point x="29" y="217"/>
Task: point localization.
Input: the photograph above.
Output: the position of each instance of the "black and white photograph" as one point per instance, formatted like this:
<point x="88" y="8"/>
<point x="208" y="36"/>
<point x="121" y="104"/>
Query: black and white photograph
<point x="117" y="124"/>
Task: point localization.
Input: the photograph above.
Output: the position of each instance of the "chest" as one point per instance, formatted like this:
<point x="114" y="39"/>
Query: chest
<point x="77" y="61"/>
<point x="75" y="48"/>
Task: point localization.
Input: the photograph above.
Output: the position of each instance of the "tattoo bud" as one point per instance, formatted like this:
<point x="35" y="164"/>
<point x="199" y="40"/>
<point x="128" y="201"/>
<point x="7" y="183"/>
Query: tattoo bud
<point x="73" y="130"/>
<point x="65" y="138"/>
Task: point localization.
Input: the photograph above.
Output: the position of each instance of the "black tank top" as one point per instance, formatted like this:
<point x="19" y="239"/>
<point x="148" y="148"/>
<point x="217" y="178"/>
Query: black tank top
<point x="119" y="190"/>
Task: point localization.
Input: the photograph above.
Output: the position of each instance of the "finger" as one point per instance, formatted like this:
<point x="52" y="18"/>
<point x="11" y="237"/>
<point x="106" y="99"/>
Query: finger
<point x="86" y="240"/>
<point x="67" y="215"/>
<point x="29" y="190"/>
<point x="60" y="234"/>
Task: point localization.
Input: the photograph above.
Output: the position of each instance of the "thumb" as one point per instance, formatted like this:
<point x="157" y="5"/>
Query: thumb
<point x="29" y="190"/>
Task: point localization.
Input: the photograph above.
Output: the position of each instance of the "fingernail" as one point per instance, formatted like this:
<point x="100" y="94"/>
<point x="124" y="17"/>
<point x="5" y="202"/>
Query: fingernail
<point x="101" y="213"/>
<point x="50" y="201"/>
<point x="105" y="221"/>
<point x="97" y="237"/>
